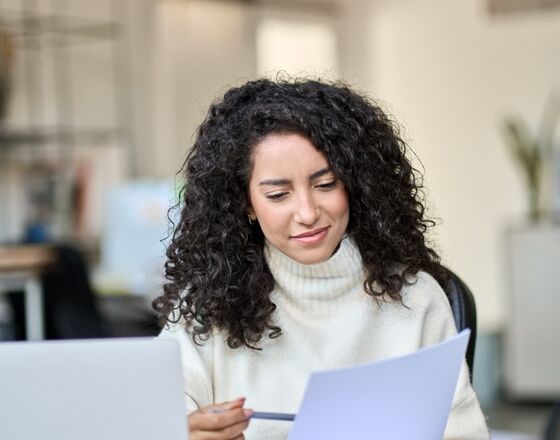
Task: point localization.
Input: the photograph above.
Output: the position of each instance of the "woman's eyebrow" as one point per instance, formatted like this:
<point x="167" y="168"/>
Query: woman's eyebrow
<point x="275" y="182"/>
<point x="320" y="173"/>
<point x="281" y="182"/>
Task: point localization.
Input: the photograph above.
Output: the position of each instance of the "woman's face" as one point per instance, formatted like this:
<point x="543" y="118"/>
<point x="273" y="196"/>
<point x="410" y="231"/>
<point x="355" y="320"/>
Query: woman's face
<point x="301" y="206"/>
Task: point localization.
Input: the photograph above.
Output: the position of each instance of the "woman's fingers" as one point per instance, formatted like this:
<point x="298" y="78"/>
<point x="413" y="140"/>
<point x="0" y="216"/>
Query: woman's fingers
<point x="230" y="433"/>
<point x="232" y="404"/>
<point x="222" y="421"/>
<point x="215" y="421"/>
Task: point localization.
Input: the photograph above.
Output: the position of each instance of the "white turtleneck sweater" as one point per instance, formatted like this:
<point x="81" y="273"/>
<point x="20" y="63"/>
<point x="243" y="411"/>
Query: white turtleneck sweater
<point x="327" y="322"/>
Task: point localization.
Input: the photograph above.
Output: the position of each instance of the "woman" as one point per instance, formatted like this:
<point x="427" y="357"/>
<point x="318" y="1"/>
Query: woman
<point x="300" y="247"/>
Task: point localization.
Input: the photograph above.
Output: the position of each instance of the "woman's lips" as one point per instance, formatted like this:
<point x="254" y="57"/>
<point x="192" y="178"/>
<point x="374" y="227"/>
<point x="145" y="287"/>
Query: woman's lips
<point x="311" y="236"/>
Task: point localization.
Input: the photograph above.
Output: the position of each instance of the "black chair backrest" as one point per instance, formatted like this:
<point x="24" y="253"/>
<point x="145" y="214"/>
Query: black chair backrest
<point x="552" y="430"/>
<point x="464" y="311"/>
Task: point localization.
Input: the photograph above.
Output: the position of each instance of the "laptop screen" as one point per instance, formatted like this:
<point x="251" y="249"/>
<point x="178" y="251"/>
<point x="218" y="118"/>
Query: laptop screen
<point x="91" y="390"/>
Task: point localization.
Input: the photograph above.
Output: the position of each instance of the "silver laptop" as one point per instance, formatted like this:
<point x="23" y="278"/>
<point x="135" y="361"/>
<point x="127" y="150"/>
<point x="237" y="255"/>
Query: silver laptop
<point x="91" y="389"/>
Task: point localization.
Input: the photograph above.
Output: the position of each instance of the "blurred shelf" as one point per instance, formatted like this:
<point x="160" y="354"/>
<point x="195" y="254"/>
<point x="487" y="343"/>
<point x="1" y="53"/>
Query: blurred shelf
<point x="13" y="137"/>
<point x="45" y="43"/>
<point x="26" y="27"/>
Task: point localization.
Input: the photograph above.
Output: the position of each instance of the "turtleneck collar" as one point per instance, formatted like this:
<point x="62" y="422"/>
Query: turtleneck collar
<point x="316" y="286"/>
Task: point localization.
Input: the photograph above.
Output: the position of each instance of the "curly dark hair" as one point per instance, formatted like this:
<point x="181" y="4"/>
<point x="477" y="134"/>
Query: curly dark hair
<point x="217" y="274"/>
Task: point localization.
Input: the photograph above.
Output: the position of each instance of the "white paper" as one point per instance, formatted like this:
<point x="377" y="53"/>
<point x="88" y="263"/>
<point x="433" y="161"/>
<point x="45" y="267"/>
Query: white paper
<point x="408" y="397"/>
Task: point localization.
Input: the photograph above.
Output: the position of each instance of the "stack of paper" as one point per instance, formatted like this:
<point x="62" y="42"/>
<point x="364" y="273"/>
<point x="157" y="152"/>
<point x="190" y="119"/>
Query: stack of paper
<point x="408" y="397"/>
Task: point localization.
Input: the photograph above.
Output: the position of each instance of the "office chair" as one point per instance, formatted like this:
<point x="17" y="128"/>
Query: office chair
<point x="464" y="311"/>
<point x="70" y="304"/>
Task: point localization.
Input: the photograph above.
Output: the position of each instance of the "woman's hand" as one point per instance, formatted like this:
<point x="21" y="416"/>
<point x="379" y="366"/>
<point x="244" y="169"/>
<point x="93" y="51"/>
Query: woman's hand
<point x="225" y="421"/>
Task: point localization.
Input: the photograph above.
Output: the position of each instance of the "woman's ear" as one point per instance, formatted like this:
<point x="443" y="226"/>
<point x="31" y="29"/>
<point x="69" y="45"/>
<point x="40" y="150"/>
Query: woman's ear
<point x="251" y="215"/>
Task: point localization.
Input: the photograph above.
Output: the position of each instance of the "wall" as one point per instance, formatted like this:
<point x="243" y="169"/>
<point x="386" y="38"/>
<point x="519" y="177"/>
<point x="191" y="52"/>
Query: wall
<point x="449" y="73"/>
<point x="201" y="47"/>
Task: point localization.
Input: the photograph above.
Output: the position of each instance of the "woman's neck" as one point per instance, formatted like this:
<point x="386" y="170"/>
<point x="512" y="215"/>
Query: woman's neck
<point x="319" y="285"/>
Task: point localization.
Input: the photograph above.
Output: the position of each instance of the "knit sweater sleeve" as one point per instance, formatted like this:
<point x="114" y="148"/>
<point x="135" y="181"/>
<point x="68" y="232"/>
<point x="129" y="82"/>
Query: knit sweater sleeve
<point x="196" y="361"/>
<point x="466" y="420"/>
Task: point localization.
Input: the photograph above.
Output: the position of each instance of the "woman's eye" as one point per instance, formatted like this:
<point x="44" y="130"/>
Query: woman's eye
<point x="276" y="196"/>
<point x="327" y="185"/>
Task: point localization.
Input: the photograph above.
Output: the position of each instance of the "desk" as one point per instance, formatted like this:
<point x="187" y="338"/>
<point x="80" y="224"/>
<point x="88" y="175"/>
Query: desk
<point x="21" y="268"/>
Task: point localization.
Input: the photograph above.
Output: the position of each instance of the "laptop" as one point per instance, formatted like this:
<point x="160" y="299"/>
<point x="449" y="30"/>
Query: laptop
<point x="129" y="388"/>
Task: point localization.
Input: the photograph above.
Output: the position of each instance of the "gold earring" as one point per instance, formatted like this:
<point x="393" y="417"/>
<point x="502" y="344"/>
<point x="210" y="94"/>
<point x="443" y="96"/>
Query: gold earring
<point x="251" y="220"/>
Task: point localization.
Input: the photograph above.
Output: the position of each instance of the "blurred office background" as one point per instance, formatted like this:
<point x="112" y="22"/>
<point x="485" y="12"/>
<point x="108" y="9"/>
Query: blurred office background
<point x="99" y="102"/>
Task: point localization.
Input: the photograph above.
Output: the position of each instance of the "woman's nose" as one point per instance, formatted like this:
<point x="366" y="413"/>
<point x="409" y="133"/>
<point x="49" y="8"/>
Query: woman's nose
<point x="307" y="211"/>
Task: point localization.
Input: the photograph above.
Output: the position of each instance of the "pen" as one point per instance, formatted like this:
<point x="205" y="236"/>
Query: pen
<point x="273" y="416"/>
<point x="264" y="415"/>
